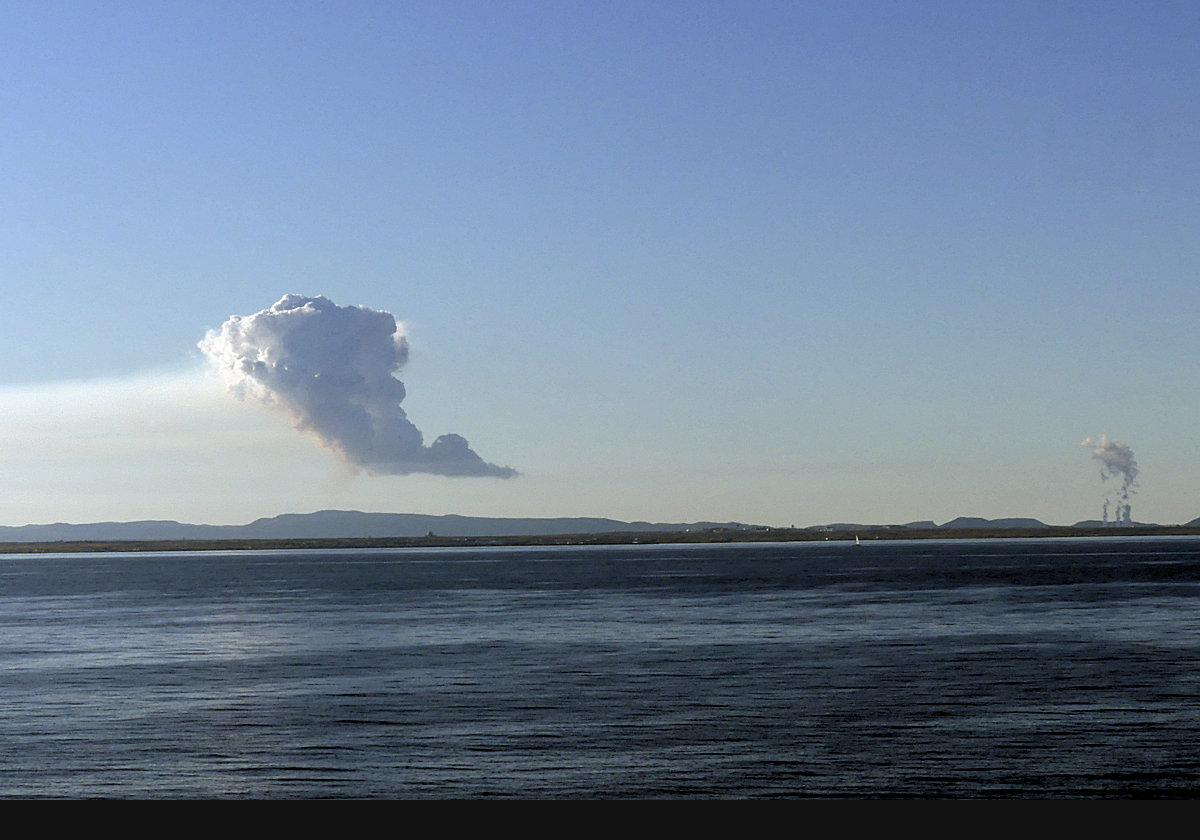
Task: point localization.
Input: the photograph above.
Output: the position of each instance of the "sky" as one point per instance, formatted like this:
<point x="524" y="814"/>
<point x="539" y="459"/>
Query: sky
<point x="773" y="262"/>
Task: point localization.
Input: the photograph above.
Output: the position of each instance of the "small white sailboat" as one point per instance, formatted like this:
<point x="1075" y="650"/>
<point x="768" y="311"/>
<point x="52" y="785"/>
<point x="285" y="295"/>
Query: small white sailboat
<point x="856" y="542"/>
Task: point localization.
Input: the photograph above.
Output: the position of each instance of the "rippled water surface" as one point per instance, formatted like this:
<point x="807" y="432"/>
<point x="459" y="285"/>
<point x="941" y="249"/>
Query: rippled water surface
<point x="1033" y="668"/>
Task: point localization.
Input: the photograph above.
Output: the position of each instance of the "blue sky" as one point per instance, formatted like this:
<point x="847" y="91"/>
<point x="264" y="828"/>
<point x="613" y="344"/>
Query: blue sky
<point x="784" y="263"/>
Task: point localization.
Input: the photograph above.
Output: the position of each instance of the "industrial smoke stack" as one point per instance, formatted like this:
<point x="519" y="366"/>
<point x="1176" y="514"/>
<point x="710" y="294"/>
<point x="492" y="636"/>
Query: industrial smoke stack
<point x="1116" y="462"/>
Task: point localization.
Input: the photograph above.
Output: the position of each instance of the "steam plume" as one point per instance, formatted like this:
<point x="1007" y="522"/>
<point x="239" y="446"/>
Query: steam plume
<point x="329" y="368"/>
<point x="1116" y="461"/>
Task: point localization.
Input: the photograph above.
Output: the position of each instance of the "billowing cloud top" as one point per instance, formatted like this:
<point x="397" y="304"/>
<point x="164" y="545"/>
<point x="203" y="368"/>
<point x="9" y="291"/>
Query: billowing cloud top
<point x="1116" y="459"/>
<point x="330" y="369"/>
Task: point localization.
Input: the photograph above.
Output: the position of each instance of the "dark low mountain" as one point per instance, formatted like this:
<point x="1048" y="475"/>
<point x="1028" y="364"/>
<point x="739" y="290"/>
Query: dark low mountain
<point x="977" y="522"/>
<point x="1097" y="523"/>
<point x="110" y="531"/>
<point x="349" y="523"/>
<point x="844" y="526"/>
<point x="334" y="524"/>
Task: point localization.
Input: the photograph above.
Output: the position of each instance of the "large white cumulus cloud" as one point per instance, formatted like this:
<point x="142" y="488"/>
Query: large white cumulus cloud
<point x="330" y="369"/>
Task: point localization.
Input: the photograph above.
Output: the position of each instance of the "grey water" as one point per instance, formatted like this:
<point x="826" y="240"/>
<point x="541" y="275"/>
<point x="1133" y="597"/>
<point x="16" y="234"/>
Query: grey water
<point x="994" y="668"/>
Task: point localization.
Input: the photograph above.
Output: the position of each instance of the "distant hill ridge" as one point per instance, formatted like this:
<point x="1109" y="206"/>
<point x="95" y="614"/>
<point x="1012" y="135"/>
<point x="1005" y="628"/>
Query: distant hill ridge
<point x="342" y="524"/>
<point x="963" y="523"/>
<point x="350" y="524"/>
<point x="959" y="523"/>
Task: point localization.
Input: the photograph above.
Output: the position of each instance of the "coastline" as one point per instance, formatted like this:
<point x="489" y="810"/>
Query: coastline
<point x="866" y="533"/>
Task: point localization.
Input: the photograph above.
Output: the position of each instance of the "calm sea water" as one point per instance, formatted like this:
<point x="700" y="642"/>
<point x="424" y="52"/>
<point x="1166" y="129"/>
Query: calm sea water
<point x="997" y="668"/>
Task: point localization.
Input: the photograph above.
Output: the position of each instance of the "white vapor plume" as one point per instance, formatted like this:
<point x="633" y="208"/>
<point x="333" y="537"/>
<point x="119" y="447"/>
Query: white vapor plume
<point x="329" y="368"/>
<point x="1116" y="461"/>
